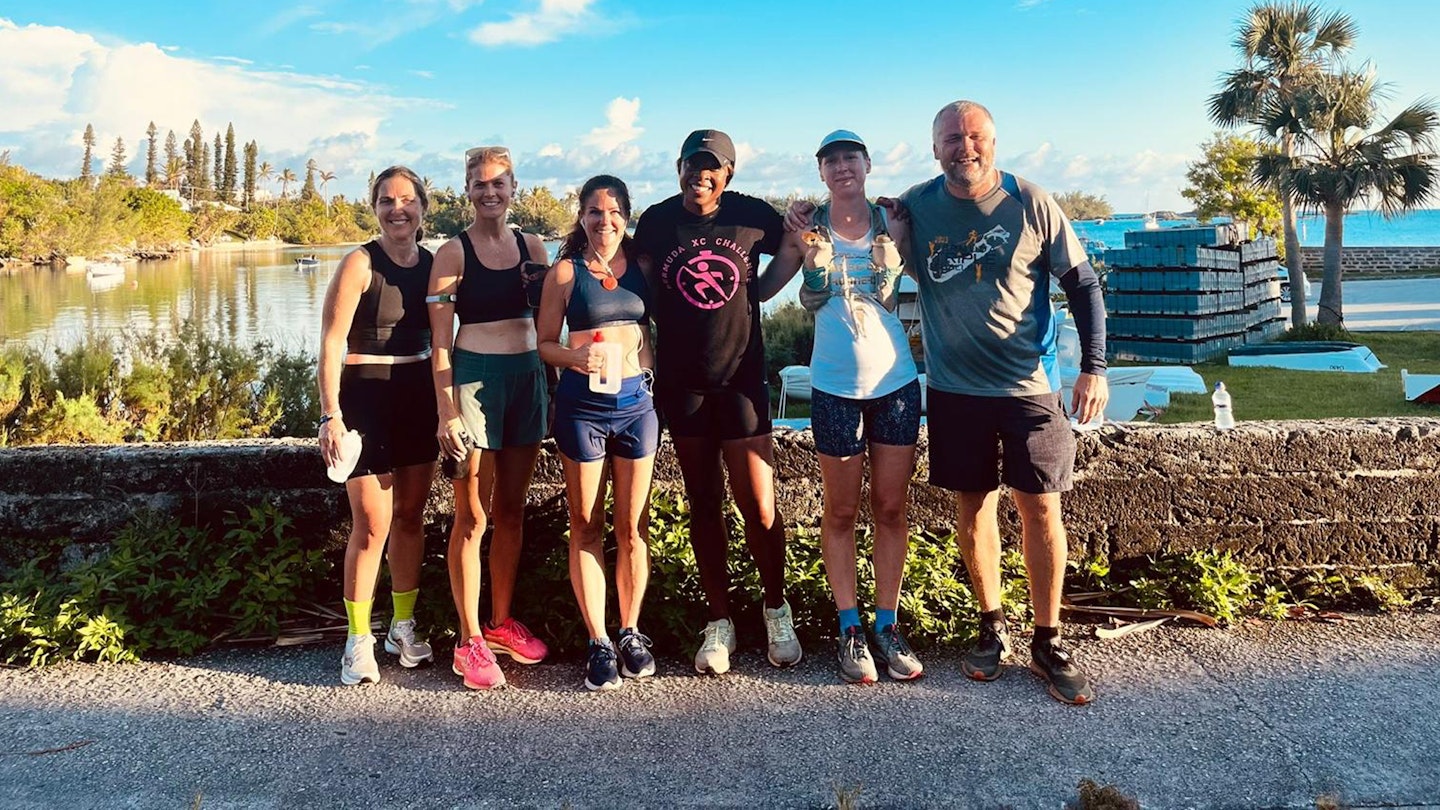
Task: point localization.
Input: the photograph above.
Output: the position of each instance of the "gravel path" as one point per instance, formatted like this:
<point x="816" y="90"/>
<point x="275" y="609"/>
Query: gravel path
<point x="1264" y="715"/>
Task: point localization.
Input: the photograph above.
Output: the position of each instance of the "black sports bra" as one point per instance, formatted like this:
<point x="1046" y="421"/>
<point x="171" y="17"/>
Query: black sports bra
<point x="485" y="295"/>
<point x="592" y="306"/>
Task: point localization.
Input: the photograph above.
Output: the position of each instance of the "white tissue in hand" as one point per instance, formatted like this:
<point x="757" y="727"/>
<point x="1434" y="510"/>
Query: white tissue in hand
<point x="349" y="457"/>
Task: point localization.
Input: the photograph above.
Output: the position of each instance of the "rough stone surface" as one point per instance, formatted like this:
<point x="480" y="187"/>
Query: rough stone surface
<point x="1346" y="491"/>
<point x="1374" y="261"/>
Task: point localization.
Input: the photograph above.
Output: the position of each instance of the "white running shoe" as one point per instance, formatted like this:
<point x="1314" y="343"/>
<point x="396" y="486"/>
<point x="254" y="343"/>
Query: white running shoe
<point x="401" y="641"/>
<point x="714" y="653"/>
<point x="780" y="627"/>
<point x="358" y="664"/>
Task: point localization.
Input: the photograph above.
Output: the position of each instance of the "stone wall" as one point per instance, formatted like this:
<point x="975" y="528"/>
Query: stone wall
<point x="1277" y="493"/>
<point x="1374" y="261"/>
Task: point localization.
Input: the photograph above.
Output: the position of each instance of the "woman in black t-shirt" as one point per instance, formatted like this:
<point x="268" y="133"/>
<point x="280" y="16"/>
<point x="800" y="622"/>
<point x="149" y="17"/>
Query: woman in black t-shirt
<point x="702" y="250"/>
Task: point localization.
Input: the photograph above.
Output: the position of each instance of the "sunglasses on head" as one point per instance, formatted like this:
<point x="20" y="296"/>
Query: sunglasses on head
<point x="486" y="153"/>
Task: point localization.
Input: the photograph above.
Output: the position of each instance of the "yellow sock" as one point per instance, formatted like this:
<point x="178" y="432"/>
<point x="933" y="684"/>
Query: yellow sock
<point x="404" y="604"/>
<point x="359" y="615"/>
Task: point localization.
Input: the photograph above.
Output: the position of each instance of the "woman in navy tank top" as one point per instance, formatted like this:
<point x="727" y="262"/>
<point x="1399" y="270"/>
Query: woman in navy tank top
<point x="491" y="399"/>
<point x="596" y="288"/>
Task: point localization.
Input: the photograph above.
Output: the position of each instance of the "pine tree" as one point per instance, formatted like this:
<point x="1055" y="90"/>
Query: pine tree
<point x="228" y="189"/>
<point x="85" y="173"/>
<point x="307" y="191"/>
<point x="248" y="190"/>
<point x="204" y="172"/>
<point x="151" y="151"/>
<point x="219" y="169"/>
<point x="117" y="160"/>
<point x="174" y="166"/>
<point x="195" y="159"/>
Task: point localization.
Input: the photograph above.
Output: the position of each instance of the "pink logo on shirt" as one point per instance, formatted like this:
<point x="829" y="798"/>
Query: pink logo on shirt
<point x="708" y="280"/>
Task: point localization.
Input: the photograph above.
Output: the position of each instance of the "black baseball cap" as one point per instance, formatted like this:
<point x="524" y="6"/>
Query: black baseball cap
<point x="713" y="141"/>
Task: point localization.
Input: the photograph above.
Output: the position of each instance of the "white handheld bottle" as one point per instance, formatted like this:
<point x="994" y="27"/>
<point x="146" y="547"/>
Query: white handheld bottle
<point x="1224" y="415"/>
<point x="606" y="380"/>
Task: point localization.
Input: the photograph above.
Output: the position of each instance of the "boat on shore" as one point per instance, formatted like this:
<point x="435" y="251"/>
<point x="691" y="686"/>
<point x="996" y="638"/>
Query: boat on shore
<point x="1309" y="355"/>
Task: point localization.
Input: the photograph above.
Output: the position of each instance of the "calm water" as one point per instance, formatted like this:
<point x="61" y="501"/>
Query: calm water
<point x="254" y="295"/>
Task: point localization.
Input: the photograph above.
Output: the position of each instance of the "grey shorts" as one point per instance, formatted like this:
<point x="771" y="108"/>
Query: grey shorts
<point x="976" y="442"/>
<point x="502" y="397"/>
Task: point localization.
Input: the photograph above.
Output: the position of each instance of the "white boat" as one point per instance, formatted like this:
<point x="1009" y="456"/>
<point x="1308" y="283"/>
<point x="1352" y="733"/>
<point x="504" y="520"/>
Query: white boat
<point x="1312" y="355"/>
<point x="104" y="267"/>
<point x="1150" y="222"/>
<point x="1423" y="388"/>
<point x="309" y="262"/>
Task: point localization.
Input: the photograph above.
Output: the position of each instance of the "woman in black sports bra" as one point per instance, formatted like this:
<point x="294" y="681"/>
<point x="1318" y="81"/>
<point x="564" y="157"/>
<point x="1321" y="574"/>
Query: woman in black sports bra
<point x="491" y="401"/>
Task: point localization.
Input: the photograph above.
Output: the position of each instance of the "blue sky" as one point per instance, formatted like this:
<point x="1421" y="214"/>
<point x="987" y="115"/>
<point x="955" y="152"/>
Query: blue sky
<point x="1097" y="95"/>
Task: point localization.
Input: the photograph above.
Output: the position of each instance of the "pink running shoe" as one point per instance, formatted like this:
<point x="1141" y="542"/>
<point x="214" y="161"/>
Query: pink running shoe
<point x="515" y="640"/>
<point x="477" y="665"/>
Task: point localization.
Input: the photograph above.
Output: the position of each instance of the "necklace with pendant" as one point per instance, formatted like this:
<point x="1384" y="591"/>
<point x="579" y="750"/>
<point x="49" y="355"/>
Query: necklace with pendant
<point x="609" y="282"/>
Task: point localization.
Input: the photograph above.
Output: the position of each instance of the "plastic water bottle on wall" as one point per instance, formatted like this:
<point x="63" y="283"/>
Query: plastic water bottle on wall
<point x="606" y="379"/>
<point x="1224" y="415"/>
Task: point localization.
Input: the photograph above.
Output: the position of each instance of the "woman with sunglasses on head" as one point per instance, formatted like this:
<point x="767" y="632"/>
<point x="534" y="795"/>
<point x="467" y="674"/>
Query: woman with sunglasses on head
<point x="491" y="398"/>
<point x="596" y="288"/>
<point x="865" y="401"/>
<point x="374" y="380"/>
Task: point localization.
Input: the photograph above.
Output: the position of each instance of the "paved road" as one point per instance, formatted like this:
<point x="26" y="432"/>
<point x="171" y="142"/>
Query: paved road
<point x="1386" y="305"/>
<point x="1261" y="716"/>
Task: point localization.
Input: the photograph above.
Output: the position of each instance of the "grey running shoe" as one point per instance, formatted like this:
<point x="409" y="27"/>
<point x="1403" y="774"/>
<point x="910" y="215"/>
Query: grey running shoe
<point x="401" y="641"/>
<point x="1054" y="665"/>
<point x="856" y="665"/>
<point x="358" y="664"/>
<point x="635" y="658"/>
<point x="714" y="653"/>
<point x="784" y="648"/>
<point x="900" y="661"/>
<point x="982" y="662"/>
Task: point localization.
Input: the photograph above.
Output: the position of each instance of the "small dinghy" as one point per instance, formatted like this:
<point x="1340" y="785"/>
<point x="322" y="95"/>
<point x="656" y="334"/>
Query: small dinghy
<point x="1309" y="355"/>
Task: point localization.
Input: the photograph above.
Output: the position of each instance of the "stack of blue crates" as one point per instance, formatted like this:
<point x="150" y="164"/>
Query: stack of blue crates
<point x="1187" y="295"/>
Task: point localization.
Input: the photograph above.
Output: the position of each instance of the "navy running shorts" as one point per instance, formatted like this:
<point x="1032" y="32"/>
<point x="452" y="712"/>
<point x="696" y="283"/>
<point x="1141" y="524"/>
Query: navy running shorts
<point x="591" y="426"/>
<point x="842" y="426"/>
<point x="978" y="442"/>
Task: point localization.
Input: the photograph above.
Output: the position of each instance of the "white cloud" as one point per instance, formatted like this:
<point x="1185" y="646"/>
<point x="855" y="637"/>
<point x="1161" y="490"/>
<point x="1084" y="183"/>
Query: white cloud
<point x="424" y="74"/>
<point x="55" y="81"/>
<point x="619" y="129"/>
<point x="553" y="20"/>
<point x="234" y="60"/>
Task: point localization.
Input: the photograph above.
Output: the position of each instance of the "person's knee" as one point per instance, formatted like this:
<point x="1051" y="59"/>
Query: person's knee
<point x="888" y="510"/>
<point x="630" y="540"/>
<point x="587" y="537"/>
<point x="840" y="515"/>
<point x="468" y="528"/>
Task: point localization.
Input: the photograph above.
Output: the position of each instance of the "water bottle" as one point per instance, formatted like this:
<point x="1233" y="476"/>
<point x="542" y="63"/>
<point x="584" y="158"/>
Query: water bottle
<point x="1224" y="416"/>
<point x="606" y="380"/>
<point x="349" y="456"/>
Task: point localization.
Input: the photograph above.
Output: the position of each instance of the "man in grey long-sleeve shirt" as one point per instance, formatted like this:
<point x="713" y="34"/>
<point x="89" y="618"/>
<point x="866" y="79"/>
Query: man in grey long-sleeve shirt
<point x="984" y="245"/>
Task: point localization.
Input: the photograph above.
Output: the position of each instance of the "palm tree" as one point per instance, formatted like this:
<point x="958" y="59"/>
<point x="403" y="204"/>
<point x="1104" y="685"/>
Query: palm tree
<point x="287" y="176"/>
<point x="1337" y="162"/>
<point x="1283" y="46"/>
<point x="325" y="177"/>
<point x="264" y="171"/>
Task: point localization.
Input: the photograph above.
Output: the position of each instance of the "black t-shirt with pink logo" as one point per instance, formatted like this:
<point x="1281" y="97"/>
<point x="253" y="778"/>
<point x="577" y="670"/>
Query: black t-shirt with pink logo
<point x="707" y="307"/>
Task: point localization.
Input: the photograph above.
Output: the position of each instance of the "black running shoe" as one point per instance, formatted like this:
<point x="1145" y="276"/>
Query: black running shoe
<point x="635" y="659"/>
<point x="600" y="671"/>
<point x="1053" y="664"/>
<point x="982" y="662"/>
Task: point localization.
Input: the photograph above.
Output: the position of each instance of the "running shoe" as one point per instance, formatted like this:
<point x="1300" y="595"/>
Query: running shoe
<point x="635" y="658"/>
<point x="515" y="640"/>
<point x="476" y="664"/>
<point x="600" y="671"/>
<point x="714" y="653"/>
<point x="784" y="648"/>
<point x="892" y="649"/>
<point x="982" y="662"/>
<point x="358" y="665"/>
<point x="853" y="655"/>
<point x="401" y="641"/>
<point x="1066" y="682"/>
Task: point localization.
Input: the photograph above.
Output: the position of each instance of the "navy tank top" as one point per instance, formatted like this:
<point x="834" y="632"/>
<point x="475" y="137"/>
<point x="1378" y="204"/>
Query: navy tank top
<point x="487" y="295"/>
<point x="391" y="317"/>
<point x="592" y="306"/>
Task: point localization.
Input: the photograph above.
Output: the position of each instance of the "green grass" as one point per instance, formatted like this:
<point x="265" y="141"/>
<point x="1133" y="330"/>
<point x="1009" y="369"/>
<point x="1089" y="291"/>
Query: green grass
<point x="1274" y="393"/>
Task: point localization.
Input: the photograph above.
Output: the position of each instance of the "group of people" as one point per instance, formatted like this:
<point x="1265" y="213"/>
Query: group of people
<point x="681" y="299"/>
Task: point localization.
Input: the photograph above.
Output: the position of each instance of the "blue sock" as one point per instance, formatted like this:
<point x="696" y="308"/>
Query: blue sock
<point x="883" y="618"/>
<point x="849" y="617"/>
